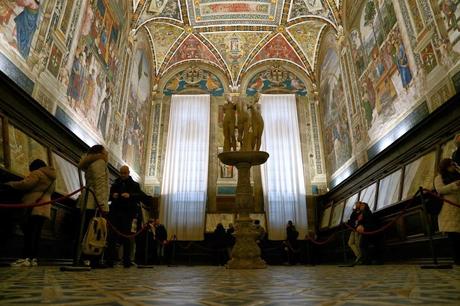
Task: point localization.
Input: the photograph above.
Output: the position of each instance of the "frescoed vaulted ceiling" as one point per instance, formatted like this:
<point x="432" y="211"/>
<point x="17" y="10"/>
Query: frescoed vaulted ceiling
<point x="235" y="35"/>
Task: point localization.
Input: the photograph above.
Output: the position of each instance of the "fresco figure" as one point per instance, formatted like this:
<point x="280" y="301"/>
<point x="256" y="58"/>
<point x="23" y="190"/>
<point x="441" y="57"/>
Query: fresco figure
<point x="88" y="21"/>
<point x="403" y="66"/>
<point x="448" y="8"/>
<point x="77" y="76"/>
<point x="229" y="124"/>
<point x="26" y="25"/>
<point x="104" y="113"/>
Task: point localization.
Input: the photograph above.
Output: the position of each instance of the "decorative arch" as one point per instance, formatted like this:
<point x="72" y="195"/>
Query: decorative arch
<point x="327" y="41"/>
<point x="197" y="77"/>
<point x="278" y="76"/>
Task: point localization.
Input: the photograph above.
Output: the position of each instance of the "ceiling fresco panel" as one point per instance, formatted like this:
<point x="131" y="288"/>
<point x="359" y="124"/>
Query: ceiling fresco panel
<point x="278" y="48"/>
<point x="306" y="35"/>
<point x="235" y="47"/>
<point x="228" y="12"/>
<point x="304" y="8"/>
<point x="193" y="49"/>
<point x="161" y="8"/>
<point x="164" y="36"/>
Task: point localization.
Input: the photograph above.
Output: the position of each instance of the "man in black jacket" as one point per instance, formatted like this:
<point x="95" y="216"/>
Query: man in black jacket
<point x="125" y="195"/>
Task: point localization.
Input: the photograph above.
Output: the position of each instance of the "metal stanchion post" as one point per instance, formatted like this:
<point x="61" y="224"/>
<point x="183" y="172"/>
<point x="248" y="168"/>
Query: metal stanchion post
<point x="345" y="258"/>
<point x="173" y="253"/>
<point x="429" y="230"/>
<point x="146" y="252"/>
<point x="77" y="256"/>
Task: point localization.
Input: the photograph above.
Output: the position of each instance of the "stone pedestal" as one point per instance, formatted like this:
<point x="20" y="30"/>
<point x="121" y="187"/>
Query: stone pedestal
<point x="246" y="252"/>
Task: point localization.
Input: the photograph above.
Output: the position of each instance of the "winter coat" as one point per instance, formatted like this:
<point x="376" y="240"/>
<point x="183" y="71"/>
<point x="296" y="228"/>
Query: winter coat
<point x="126" y="206"/>
<point x="38" y="185"/>
<point x="97" y="179"/>
<point x="449" y="217"/>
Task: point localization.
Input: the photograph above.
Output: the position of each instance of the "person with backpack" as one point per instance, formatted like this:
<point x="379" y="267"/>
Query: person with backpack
<point x="125" y="195"/>
<point x="96" y="194"/>
<point x="38" y="186"/>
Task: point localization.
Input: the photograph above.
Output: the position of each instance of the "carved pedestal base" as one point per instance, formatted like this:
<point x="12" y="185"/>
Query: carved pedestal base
<point x="246" y="252"/>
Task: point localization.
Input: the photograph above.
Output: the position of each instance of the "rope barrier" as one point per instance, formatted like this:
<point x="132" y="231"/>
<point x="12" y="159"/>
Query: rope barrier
<point x="21" y="205"/>
<point x="386" y="226"/>
<point x="383" y="228"/>
<point x="434" y="194"/>
<point x="307" y="237"/>
<point x="148" y="224"/>
<point x="115" y="230"/>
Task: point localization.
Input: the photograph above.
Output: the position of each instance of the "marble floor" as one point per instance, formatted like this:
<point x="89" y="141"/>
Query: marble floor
<point x="276" y="285"/>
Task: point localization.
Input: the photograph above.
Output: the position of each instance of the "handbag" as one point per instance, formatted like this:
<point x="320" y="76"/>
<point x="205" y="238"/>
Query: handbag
<point x="433" y="202"/>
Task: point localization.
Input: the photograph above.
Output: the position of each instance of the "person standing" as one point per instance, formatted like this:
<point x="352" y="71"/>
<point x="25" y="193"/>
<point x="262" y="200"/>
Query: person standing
<point x="125" y="195"/>
<point x="39" y="186"/>
<point x="447" y="183"/>
<point x="94" y="164"/>
<point x="367" y="222"/>
<point x="292" y="247"/>
<point x="355" y="237"/>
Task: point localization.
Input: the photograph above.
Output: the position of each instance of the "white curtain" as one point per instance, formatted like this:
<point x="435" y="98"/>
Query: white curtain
<point x="185" y="177"/>
<point x="282" y="174"/>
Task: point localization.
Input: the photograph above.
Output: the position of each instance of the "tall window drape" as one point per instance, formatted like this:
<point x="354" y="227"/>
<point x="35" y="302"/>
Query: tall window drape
<point x="282" y="175"/>
<point x="185" y="178"/>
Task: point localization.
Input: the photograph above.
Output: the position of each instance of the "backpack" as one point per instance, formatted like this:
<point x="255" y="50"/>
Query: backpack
<point x="95" y="238"/>
<point x="433" y="202"/>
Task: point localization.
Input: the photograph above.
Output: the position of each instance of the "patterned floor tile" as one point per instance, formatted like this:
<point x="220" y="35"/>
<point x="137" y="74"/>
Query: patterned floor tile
<point x="216" y="286"/>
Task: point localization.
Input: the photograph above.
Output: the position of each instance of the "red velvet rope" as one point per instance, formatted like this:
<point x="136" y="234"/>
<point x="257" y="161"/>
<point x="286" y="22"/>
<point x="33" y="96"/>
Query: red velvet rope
<point x="129" y="236"/>
<point x="115" y="230"/>
<point x="21" y="205"/>
<point x="307" y="237"/>
<point x="441" y="198"/>
<point x="383" y="228"/>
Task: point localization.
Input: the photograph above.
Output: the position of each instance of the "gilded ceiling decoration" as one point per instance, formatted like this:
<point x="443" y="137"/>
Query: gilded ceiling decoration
<point x="223" y="12"/>
<point x="278" y="48"/>
<point x="276" y="77"/>
<point x="194" y="77"/>
<point x="193" y="48"/>
<point x="235" y="47"/>
<point x="164" y="35"/>
<point x="235" y="34"/>
<point x="169" y="9"/>
<point x="306" y="35"/>
<point x="306" y="8"/>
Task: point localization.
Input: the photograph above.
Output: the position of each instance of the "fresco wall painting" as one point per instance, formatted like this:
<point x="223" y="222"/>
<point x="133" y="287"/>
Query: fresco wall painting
<point x="138" y="109"/>
<point x="73" y="50"/>
<point x="396" y="55"/>
<point x="336" y="128"/>
<point x="276" y="78"/>
<point x="194" y="78"/>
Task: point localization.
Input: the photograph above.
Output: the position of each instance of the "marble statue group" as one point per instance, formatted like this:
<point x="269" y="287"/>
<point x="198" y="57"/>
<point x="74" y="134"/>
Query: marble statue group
<point x="247" y="120"/>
